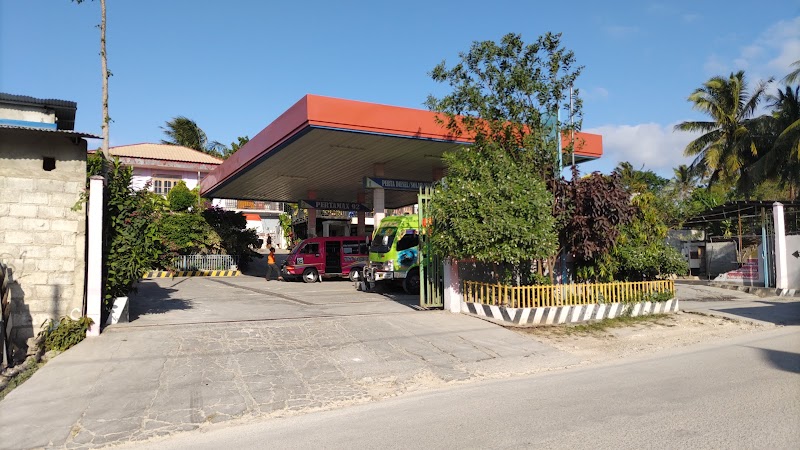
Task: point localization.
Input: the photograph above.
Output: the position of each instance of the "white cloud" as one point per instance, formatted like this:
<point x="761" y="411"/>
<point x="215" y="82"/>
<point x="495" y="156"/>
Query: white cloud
<point x="654" y="146"/>
<point x="784" y="38"/>
<point x="769" y="55"/>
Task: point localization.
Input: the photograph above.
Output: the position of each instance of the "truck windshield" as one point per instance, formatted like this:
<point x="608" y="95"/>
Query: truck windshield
<point x="382" y="242"/>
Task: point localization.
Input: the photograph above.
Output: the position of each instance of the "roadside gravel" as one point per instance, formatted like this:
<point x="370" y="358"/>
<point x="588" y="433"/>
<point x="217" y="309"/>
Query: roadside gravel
<point x="594" y="345"/>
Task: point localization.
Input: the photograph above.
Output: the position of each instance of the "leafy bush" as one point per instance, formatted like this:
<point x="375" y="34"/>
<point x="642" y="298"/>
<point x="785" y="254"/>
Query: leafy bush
<point x="133" y="245"/>
<point x="598" y="206"/>
<point x="492" y="208"/>
<point x="235" y="237"/>
<point x="642" y="253"/>
<point x="181" y="199"/>
<point x="65" y="333"/>
<point x="637" y="261"/>
<point x="188" y="233"/>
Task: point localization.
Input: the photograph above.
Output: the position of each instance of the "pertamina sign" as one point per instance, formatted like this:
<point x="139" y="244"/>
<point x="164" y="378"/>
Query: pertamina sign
<point x="394" y="185"/>
<point x="334" y="206"/>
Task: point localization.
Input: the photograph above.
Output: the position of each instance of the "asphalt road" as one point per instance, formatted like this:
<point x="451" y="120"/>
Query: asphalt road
<point x="739" y="393"/>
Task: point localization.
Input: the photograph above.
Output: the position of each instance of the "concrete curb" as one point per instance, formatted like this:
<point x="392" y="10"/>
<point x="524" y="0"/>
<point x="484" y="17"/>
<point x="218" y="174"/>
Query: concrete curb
<point x="191" y="273"/>
<point x="758" y="290"/>
<point x="566" y="314"/>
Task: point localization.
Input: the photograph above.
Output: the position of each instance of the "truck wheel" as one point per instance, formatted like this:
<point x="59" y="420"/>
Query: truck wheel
<point x="310" y="275"/>
<point x="411" y="282"/>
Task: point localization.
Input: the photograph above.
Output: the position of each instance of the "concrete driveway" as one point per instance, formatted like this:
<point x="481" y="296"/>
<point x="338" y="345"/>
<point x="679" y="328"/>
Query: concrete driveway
<point x="202" y="350"/>
<point x="166" y="301"/>
<point x="699" y="298"/>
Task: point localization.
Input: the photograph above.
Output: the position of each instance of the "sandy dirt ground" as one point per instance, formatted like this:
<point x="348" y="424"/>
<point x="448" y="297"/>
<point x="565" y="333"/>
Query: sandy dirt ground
<point x="593" y="344"/>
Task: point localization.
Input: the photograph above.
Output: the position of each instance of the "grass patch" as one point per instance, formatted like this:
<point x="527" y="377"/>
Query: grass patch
<point x="601" y="327"/>
<point x="618" y="322"/>
<point x="19" y="378"/>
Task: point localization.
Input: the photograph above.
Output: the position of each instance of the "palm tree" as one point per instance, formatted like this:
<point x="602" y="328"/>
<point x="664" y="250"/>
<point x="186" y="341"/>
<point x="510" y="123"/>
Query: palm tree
<point x="684" y="180"/>
<point x="782" y="128"/>
<point x="727" y="145"/>
<point x="793" y="75"/>
<point x="185" y="132"/>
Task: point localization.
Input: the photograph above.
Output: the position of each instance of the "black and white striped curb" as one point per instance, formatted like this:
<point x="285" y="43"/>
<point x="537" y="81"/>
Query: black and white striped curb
<point x="567" y="314"/>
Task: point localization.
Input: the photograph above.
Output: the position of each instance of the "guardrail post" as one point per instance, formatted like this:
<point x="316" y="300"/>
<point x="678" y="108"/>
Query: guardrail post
<point x="94" y="261"/>
<point x="781" y="265"/>
<point x="452" y="287"/>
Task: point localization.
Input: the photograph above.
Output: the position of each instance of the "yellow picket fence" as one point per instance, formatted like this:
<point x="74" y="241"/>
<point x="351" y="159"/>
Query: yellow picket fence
<point x="563" y="294"/>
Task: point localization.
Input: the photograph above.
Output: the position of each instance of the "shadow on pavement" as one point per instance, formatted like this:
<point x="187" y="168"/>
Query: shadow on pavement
<point x="154" y="299"/>
<point x="258" y="268"/>
<point x="396" y="294"/>
<point x="779" y="313"/>
<point x="786" y="361"/>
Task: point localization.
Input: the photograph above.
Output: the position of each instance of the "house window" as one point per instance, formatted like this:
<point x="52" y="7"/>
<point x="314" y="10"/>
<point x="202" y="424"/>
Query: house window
<point x="162" y="185"/>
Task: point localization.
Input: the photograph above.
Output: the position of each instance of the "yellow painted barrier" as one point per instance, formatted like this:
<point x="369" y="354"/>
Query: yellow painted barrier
<point x="563" y="294"/>
<point x="191" y="273"/>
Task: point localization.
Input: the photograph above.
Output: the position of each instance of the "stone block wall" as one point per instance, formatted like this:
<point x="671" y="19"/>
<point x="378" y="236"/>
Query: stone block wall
<point x="42" y="240"/>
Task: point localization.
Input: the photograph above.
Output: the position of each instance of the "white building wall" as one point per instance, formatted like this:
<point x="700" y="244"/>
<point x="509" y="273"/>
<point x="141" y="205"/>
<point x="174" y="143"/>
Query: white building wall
<point x="141" y="175"/>
<point x="793" y="260"/>
<point x="27" y="113"/>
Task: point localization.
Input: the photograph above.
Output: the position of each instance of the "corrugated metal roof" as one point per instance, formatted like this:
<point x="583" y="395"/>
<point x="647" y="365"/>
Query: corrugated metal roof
<point x="64" y="109"/>
<point x="26" y="99"/>
<point x="163" y="152"/>
<point x="69" y="133"/>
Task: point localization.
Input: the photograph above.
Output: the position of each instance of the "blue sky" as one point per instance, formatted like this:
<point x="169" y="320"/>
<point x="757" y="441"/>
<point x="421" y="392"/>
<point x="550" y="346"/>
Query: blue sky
<point x="234" y="66"/>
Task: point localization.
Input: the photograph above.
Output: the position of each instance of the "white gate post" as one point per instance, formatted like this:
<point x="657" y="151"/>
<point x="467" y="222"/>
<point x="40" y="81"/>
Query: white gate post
<point x="452" y="287"/>
<point x="94" y="263"/>
<point x="781" y="267"/>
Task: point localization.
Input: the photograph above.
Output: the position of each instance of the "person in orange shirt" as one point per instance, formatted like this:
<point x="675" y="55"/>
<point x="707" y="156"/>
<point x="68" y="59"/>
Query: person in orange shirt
<point x="271" y="264"/>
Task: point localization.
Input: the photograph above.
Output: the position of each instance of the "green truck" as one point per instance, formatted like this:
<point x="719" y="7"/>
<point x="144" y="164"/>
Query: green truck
<point x="394" y="255"/>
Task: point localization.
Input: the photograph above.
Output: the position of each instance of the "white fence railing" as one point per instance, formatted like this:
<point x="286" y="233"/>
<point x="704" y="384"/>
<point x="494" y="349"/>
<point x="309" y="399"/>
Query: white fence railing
<point x="205" y="262"/>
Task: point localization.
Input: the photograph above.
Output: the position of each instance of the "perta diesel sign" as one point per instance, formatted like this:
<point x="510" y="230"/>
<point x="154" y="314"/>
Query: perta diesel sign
<point x="394" y="185"/>
<point x="334" y="206"/>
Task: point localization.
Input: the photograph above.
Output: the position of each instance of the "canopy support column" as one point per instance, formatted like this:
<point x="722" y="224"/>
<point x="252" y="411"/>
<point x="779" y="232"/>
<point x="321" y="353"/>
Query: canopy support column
<point x="311" y="226"/>
<point x="378" y="198"/>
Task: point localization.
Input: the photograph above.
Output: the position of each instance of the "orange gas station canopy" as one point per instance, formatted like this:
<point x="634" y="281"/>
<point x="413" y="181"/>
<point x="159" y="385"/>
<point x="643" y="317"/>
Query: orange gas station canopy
<point x="328" y="145"/>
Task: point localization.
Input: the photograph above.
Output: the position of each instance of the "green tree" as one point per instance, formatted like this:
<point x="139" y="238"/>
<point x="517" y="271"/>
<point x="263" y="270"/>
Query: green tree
<point x="636" y="181"/>
<point x="642" y="252"/>
<point x="794" y="75"/>
<point x="506" y="96"/>
<point x="181" y="198"/>
<point x="489" y="208"/>
<point x="188" y="233"/>
<point x="132" y="243"/>
<point x="185" y="132"/>
<point x="727" y="145"/>
<point x="235" y="237"/>
<point x="510" y="93"/>
<point x="684" y="181"/>
<point x="228" y="151"/>
<point x="599" y="205"/>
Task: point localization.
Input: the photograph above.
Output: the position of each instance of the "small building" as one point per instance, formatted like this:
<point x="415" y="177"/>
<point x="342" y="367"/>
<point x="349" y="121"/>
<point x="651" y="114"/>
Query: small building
<point x="745" y="243"/>
<point x="42" y="220"/>
<point x="162" y="166"/>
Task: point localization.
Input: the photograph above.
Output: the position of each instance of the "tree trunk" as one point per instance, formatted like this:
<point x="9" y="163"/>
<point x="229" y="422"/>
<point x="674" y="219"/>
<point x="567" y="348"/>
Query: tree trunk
<point x="104" y="65"/>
